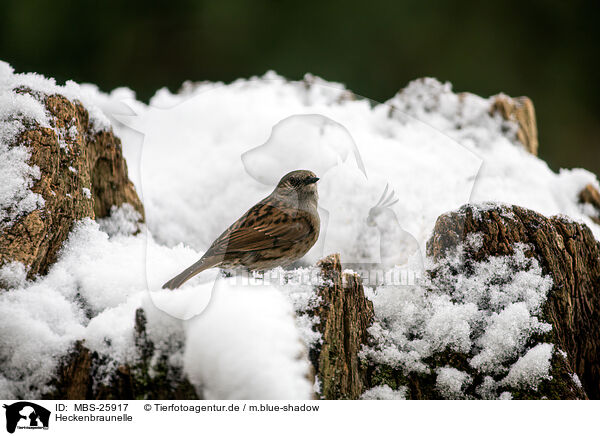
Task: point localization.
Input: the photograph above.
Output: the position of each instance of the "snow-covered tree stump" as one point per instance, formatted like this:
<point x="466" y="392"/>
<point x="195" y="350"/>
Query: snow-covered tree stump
<point x="344" y="314"/>
<point x="568" y="252"/>
<point x="82" y="173"/>
<point x="150" y="377"/>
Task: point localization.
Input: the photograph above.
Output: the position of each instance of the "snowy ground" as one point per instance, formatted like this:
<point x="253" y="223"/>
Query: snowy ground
<point x="202" y="157"/>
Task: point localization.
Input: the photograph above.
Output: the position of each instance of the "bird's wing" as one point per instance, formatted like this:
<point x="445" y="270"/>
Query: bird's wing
<point x="262" y="228"/>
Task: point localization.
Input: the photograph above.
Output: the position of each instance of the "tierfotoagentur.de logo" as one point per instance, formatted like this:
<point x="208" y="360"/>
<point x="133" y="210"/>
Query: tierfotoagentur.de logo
<point x="26" y="415"/>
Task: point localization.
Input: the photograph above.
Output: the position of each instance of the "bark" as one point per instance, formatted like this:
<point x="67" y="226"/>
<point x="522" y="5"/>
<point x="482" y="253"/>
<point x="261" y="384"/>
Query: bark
<point x="568" y="252"/>
<point x="520" y="110"/>
<point x="345" y="314"/>
<point x="68" y="165"/>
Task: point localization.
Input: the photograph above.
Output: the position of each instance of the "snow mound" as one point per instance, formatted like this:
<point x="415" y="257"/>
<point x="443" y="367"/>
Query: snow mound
<point x="243" y="329"/>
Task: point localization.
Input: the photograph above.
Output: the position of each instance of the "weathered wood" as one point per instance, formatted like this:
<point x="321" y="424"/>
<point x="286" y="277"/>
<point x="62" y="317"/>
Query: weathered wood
<point x="344" y="314"/>
<point x="590" y="195"/>
<point x="521" y="111"/>
<point x="567" y="251"/>
<point x="70" y="165"/>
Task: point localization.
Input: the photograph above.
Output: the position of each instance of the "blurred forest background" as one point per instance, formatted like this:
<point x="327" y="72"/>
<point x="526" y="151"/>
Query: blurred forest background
<point x="547" y="50"/>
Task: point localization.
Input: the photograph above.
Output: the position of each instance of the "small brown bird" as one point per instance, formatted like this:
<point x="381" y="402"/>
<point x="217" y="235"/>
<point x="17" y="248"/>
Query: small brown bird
<point x="276" y="231"/>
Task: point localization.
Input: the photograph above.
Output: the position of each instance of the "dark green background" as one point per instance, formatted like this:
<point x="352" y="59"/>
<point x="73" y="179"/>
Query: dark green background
<point x="545" y="50"/>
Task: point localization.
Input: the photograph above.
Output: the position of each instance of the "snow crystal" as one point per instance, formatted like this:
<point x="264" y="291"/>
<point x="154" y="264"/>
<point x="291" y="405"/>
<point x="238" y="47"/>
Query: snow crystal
<point x="86" y="192"/>
<point x="451" y="382"/>
<point x="123" y="220"/>
<point x="385" y="393"/>
<point x="506" y="336"/>
<point x="531" y="369"/>
<point x="73" y="132"/>
<point x="487" y="389"/>
<point x="450" y="324"/>
<point x="497" y="282"/>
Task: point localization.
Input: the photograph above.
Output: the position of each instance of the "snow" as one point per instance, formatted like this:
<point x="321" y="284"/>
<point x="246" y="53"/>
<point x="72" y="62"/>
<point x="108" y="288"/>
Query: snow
<point x="530" y="369"/>
<point x="450" y="382"/>
<point x="244" y="345"/>
<point x="123" y="220"/>
<point x="384" y="392"/>
<point x="489" y="314"/>
<point x="236" y="167"/>
<point x="16" y="175"/>
<point x="202" y="157"/>
<point x="12" y="275"/>
<point x="505" y="336"/>
<point x="243" y="329"/>
<point x="9" y="81"/>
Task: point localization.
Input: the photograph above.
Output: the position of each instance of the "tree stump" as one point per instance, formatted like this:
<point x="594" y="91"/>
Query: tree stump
<point x="150" y="377"/>
<point x="82" y="174"/>
<point x="344" y="314"/>
<point x="566" y="250"/>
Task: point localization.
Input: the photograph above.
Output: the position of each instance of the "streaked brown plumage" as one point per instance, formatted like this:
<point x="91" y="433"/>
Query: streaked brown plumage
<point x="276" y="231"/>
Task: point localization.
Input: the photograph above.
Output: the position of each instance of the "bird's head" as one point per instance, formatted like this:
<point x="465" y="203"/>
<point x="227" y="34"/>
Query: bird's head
<point x="299" y="185"/>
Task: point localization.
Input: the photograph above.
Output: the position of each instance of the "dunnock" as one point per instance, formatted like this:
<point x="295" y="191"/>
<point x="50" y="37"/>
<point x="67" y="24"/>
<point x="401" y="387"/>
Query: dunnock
<point x="276" y="231"/>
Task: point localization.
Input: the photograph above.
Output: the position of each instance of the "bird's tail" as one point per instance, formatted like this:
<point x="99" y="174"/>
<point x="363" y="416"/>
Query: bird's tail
<point x="188" y="273"/>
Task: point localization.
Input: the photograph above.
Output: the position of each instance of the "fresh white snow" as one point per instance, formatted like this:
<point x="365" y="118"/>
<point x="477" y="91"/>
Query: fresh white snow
<point x="384" y="392"/>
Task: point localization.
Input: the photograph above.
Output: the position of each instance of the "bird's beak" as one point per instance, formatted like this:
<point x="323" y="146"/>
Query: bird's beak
<point x="312" y="180"/>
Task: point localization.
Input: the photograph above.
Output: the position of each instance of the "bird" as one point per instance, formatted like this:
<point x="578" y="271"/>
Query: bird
<point x="276" y="231"/>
